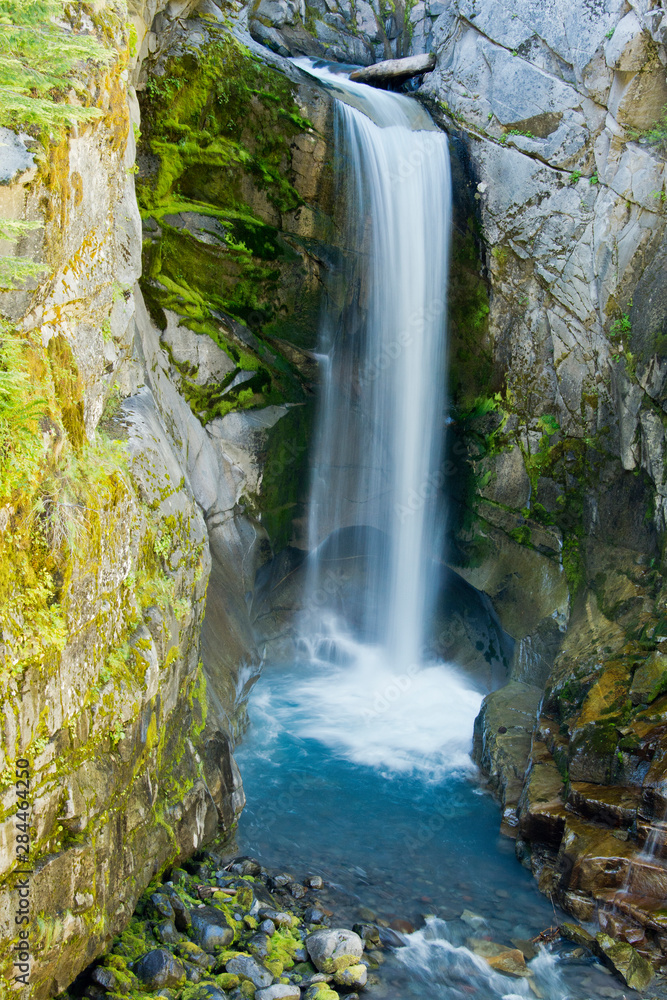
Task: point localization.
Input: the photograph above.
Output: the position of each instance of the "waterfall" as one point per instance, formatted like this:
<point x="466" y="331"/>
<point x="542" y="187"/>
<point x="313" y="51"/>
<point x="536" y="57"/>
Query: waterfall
<point x="378" y="448"/>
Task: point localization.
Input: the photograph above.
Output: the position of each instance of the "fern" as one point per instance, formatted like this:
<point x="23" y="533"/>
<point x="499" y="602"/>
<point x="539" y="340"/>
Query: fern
<point x="15" y="270"/>
<point x="38" y="54"/>
<point x="40" y="58"/>
<point x="20" y="411"/>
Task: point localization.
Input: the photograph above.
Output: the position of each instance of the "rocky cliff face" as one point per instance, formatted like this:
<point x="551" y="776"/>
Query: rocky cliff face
<point x="163" y="408"/>
<point x="133" y="473"/>
<point x="556" y="114"/>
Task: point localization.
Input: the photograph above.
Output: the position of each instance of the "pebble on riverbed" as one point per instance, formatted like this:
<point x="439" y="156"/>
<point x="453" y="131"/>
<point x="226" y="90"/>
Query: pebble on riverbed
<point x="230" y="931"/>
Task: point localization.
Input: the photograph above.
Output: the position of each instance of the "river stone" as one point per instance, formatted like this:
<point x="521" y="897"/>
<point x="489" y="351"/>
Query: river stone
<point x="576" y="934"/>
<point x="510" y="963"/>
<point x="650" y="679"/>
<point x="206" y="991"/>
<point x="267" y="927"/>
<point x="635" y="971"/>
<point x="279" y="992"/>
<point x="193" y="972"/>
<point x="162" y="906"/>
<point x="106" y="978"/>
<point x="333" y="950"/>
<point x="210" y="928"/>
<point x="166" y="932"/>
<point x="182" y="918"/>
<point x="281" y="881"/>
<point x="159" y="968"/>
<point x="259" y="945"/>
<point x="248" y="968"/>
<point x="279" y="917"/>
<point x="191" y="952"/>
<point x="320" y="991"/>
<point x="353" y="975"/>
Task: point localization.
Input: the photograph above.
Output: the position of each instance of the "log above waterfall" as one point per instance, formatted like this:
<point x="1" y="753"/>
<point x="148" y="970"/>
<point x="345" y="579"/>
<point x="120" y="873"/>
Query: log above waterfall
<point x="393" y="70"/>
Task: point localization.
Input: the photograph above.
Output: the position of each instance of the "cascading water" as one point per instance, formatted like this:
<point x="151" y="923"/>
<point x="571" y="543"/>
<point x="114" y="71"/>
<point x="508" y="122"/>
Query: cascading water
<point x="382" y="412"/>
<point x="374" y="532"/>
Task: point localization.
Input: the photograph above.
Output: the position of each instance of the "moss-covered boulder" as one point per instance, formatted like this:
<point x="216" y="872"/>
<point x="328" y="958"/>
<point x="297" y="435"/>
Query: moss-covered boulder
<point x="635" y="971"/>
<point x="650" y="679"/>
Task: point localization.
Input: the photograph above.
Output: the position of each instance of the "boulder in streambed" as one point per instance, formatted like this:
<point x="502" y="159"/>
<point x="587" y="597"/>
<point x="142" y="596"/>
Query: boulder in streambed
<point x="159" y="968"/>
<point x="279" y="992"/>
<point x="210" y="928"/>
<point x="205" y="991"/>
<point x="635" y="971"/>
<point x="248" y="969"/>
<point x="353" y="976"/>
<point x="367" y="932"/>
<point x="577" y="935"/>
<point x="333" y="950"/>
<point x="320" y="991"/>
<point x="509" y="962"/>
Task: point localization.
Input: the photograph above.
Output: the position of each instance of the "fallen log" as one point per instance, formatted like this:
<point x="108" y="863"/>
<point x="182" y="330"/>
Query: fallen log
<point x="394" y="70"/>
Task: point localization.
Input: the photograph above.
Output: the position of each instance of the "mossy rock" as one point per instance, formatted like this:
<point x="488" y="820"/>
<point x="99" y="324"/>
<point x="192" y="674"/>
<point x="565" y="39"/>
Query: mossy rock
<point x="635" y="971"/>
<point x="650" y="679"/>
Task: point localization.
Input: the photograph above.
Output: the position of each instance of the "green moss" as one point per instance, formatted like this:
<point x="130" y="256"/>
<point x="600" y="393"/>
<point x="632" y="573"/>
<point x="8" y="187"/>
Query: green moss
<point x="132" y="943"/>
<point x="471" y="360"/>
<point x="286" y="474"/>
<point x="220" y="107"/>
<point x="216" y="120"/>
<point x="227" y="981"/>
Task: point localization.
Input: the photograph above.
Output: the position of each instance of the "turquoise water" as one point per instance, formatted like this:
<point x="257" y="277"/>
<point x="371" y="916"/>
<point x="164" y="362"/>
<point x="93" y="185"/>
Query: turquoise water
<point x="420" y="844"/>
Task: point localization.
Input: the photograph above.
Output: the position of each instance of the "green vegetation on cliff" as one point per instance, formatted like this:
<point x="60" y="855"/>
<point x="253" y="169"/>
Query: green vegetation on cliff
<point x="216" y="144"/>
<point x="41" y="60"/>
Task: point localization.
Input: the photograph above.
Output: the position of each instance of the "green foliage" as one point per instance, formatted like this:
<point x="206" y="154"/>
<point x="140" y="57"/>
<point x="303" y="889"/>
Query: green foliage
<point x="575" y="176"/>
<point x="15" y="270"/>
<point x="621" y="327"/>
<point x="54" y="498"/>
<point x="38" y="60"/>
<point x="20" y="411"/>
<point x="516" y="131"/>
